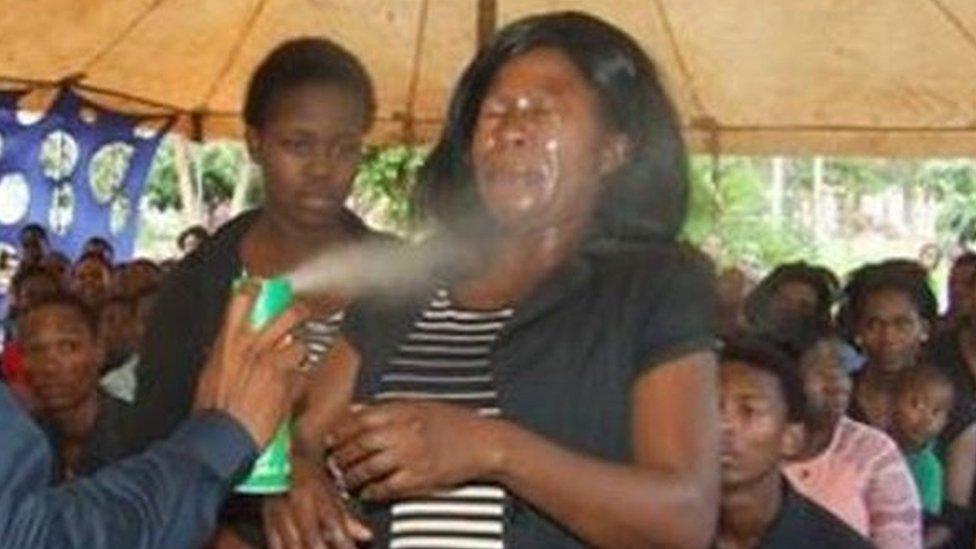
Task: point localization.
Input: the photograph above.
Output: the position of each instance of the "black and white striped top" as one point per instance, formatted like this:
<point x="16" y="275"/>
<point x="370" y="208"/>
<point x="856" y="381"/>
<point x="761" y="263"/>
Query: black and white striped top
<point x="446" y="358"/>
<point x="318" y="334"/>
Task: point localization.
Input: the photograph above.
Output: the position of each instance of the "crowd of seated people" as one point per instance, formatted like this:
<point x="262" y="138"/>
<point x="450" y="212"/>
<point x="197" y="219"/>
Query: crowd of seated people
<point x="890" y="420"/>
<point x="70" y="342"/>
<point x="579" y="393"/>
<point x="872" y="395"/>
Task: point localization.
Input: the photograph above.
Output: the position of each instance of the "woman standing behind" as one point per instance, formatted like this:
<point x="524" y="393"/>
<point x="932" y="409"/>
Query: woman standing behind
<point x="308" y="107"/>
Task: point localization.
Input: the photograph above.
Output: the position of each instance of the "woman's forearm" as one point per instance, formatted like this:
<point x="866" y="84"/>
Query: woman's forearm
<point x="667" y="495"/>
<point x="607" y="504"/>
<point x="961" y="468"/>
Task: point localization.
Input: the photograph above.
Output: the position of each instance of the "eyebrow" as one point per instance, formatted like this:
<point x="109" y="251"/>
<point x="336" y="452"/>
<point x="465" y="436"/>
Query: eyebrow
<point x="63" y="329"/>
<point x="907" y="316"/>
<point x="749" y="395"/>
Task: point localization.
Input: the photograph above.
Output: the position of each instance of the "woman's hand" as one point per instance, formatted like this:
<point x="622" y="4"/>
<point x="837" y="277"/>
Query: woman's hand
<point x="312" y="514"/>
<point x="405" y="449"/>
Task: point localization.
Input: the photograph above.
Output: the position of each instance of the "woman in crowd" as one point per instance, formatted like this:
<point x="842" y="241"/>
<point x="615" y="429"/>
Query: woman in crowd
<point x="854" y="470"/>
<point x="891" y="309"/>
<point x="793" y="298"/>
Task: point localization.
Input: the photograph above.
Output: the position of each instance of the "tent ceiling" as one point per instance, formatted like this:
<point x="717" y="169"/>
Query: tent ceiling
<point x="885" y="77"/>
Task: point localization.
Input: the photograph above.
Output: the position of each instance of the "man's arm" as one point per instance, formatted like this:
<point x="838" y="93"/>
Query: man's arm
<point x="165" y="497"/>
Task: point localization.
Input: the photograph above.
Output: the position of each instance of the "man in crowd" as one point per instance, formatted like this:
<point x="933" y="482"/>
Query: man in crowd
<point x="763" y="406"/>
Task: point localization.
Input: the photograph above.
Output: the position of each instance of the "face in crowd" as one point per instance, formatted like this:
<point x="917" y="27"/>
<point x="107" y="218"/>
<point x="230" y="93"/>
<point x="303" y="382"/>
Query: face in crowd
<point x="62" y="356"/>
<point x="541" y="146"/>
<point x="91" y="280"/>
<point x="826" y="384"/>
<point x="890" y="330"/>
<point x="757" y="431"/>
<point x="921" y="410"/>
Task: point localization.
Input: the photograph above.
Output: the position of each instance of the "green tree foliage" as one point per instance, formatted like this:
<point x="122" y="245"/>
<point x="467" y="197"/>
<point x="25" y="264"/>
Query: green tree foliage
<point x="384" y="186"/>
<point x="381" y="189"/>
<point x="219" y="163"/>
<point x="161" y="191"/>
<point x="729" y="215"/>
<point x="955" y="183"/>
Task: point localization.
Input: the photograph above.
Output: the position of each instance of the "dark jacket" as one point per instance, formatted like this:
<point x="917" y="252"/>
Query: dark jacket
<point x="183" y="325"/>
<point x="103" y="446"/>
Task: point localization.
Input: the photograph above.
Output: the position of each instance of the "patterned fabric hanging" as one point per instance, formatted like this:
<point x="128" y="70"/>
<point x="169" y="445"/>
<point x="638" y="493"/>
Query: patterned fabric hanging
<point x="78" y="170"/>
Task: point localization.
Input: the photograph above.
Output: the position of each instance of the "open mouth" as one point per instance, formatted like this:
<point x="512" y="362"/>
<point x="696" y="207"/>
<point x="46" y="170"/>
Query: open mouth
<point x="316" y="203"/>
<point x="728" y="456"/>
<point x="520" y="177"/>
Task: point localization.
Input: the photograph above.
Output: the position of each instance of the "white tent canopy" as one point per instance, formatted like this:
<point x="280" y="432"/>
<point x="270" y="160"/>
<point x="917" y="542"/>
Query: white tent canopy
<point x="876" y="77"/>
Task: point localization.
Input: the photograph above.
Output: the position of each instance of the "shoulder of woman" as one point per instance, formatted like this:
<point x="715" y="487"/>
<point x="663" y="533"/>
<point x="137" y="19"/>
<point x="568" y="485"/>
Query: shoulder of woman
<point x="652" y="264"/>
<point x="870" y="443"/>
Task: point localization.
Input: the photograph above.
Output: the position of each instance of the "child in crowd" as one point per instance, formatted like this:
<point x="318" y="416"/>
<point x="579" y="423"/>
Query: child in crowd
<point x="923" y="400"/>
<point x="91" y="279"/>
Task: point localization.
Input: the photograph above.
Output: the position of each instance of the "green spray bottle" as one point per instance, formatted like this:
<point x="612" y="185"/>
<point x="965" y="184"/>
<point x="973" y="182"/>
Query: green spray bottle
<point x="271" y="472"/>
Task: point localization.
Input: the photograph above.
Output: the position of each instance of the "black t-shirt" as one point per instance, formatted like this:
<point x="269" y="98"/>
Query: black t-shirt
<point x="566" y="362"/>
<point x="802" y="524"/>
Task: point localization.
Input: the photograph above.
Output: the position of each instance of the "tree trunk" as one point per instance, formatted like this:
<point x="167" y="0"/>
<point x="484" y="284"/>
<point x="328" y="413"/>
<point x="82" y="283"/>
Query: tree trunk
<point x="779" y="176"/>
<point x="816" y="206"/>
<point x="910" y="211"/>
<point x="184" y="180"/>
<point x="239" y="201"/>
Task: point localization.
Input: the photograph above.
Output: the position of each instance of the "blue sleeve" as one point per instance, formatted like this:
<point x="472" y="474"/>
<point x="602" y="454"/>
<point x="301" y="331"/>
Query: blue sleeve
<point x="167" y="496"/>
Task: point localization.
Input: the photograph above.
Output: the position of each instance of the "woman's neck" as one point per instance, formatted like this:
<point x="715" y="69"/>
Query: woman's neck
<point x="272" y="247"/>
<point x="518" y="262"/>
<point x="747" y="512"/>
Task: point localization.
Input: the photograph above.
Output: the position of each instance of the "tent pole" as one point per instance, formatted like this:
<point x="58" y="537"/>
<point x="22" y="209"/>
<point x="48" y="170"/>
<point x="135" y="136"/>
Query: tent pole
<point x="487" y="21"/>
